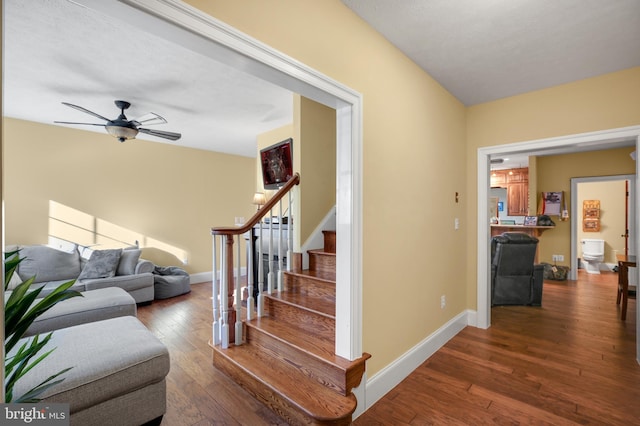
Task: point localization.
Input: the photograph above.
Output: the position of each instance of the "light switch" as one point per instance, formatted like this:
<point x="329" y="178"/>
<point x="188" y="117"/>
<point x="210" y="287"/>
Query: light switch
<point x="456" y="223"/>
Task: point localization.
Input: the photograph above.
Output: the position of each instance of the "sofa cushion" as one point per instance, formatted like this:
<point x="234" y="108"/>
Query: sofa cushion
<point x="110" y="358"/>
<point x="128" y="262"/>
<point x="125" y="282"/>
<point x="94" y="305"/>
<point x="101" y="264"/>
<point x="48" y="264"/>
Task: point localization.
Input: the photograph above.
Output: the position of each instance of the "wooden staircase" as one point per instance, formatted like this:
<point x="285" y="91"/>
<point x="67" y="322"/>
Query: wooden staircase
<point x="288" y="361"/>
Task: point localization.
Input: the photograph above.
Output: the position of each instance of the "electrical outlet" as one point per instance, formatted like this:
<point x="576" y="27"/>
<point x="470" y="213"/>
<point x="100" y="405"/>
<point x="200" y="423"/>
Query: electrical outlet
<point x="560" y="258"/>
<point x="443" y="301"/>
<point x="557" y="257"/>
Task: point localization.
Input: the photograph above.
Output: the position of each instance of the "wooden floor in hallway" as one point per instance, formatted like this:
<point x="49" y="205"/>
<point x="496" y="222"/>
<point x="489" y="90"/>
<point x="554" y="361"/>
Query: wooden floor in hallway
<point x="571" y="361"/>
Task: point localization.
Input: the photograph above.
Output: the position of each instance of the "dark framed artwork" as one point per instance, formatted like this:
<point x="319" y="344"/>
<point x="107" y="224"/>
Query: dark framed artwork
<point x="277" y="164"/>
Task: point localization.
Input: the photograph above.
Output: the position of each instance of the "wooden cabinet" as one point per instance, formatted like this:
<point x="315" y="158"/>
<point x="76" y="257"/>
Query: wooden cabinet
<point x="518" y="199"/>
<point x="518" y="175"/>
<point x="517" y="183"/>
<point x="498" y="178"/>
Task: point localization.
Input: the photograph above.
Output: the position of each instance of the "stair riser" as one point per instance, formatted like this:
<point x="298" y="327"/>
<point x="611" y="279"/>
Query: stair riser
<point x="329" y="241"/>
<point x="324" y="264"/>
<point x="263" y="393"/>
<point x="309" y="286"/>
<point x="312" y="367"/>
<point x="313" y="322"/>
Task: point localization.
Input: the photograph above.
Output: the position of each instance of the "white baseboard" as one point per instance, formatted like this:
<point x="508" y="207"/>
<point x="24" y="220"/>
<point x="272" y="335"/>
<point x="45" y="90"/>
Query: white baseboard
<point x="202" y="277"/>
<point x="390" y="376"/>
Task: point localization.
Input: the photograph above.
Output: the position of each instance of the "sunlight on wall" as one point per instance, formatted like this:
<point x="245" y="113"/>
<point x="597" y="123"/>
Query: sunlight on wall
<point x="68" y="226"/>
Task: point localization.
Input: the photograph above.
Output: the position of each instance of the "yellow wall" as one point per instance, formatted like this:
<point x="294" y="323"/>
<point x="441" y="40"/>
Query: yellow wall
<point x="316" y="154"/>
<point x="414" y="143"/>
<point x="314" y="157"/>
<point x="163" y="195"/>
<point x="554" y="174"/>
<point x="605" y="102"/>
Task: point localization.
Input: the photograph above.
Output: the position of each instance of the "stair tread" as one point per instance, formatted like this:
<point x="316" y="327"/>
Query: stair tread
<point x="325" y="306"/>
<point x="312" y="274"/>
<point x="318" y="401"/>
<point x="318" y="276"/>
<point x="321" y="252"/>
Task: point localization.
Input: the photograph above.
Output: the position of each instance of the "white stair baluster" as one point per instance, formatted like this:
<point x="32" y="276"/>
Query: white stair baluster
<point x="260" y="273"/>
<point x="238" y="295"/>
<point x="224" y="302"/>
<point x="215" y="293"/>
<point x="289" y="233"/>
<point x="250" y="276"/>
<point x="270" y="275"/>
<point x="280" y="272"/>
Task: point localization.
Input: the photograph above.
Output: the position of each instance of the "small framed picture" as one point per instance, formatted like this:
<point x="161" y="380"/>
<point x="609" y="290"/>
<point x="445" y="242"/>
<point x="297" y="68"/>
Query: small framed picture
<point x="530" y="220"/>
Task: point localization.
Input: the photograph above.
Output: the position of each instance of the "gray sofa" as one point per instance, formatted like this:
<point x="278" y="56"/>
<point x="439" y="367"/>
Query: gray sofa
<point x="118" y="366"/>
<point x="105" y="268"/>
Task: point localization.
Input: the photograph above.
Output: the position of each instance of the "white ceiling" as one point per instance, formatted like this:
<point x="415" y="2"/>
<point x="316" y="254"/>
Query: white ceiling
<point x="55" y="51"/>
<point x="482" y="50"/>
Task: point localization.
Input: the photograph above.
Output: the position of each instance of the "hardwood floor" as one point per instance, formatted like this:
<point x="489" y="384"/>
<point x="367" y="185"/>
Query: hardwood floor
<point x="572" y="361"/>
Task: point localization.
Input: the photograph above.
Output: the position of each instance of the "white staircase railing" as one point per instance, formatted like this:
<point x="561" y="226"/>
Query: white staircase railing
<point x="227" y="289"/>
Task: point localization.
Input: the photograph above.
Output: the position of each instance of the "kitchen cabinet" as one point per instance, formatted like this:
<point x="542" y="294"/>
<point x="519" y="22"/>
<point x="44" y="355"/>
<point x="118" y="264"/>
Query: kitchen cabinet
<point x="518" y="199"/>
<point x="517" y="183"/>
<point x="498" y="178"/>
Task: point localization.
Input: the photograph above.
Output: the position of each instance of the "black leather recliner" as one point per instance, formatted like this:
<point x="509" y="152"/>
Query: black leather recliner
<point x="515" y="280"/>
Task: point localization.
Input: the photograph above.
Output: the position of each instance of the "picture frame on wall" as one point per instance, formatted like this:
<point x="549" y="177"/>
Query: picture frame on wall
<point x="530" y="220"/>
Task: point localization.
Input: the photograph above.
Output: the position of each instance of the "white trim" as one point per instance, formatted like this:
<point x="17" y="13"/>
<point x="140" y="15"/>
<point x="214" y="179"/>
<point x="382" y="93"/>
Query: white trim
<point x="595" y="140"/>
<point x="198" y="31"/>
<point x="391" y="375"/>
<point x="204" y="277"/>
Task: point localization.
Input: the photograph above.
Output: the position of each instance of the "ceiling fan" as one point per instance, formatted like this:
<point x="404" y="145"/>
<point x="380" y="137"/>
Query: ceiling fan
<point x="124" y="129"/>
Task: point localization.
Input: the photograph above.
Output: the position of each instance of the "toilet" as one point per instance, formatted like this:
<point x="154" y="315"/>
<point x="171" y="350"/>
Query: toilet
<point x="592" y="254"/>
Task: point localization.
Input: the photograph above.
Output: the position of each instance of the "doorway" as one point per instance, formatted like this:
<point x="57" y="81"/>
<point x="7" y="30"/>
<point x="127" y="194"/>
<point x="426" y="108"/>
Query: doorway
<point x="600" y="140"/>
<point x="618" y="228"/>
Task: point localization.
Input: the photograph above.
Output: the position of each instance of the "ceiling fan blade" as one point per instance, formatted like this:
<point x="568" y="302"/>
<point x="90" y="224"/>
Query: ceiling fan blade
<point x="161" y="134"/>
<point x="79" y="108"/>
<point x="149" y="119"/>
<point x="71" y="122"/>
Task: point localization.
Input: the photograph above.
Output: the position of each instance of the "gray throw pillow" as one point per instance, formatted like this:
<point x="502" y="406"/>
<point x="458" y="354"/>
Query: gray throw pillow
<point x="101" y="264"/>
<point x="128" y="261"/>
<point x="48" y="264"/>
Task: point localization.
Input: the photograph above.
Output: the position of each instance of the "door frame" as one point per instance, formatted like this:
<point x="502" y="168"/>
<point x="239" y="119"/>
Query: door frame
<point x="573" y="143"/>
<point x="631" y="212"/>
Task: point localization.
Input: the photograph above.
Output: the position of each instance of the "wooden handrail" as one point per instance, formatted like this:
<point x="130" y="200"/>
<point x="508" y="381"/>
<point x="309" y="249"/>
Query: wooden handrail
<point x="257" y="217"/>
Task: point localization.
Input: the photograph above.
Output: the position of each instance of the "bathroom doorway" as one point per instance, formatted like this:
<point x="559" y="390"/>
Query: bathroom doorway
<point x="616" y="196"/>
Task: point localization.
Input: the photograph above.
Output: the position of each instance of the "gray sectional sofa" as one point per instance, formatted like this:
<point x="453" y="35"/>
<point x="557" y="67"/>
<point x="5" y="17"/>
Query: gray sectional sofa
<point x="104" y="268"/>
<point x="118" y="367"/>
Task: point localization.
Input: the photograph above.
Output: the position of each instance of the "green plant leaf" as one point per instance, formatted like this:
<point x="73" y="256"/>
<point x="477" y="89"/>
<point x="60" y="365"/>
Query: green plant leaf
<point x="22" y="308"/>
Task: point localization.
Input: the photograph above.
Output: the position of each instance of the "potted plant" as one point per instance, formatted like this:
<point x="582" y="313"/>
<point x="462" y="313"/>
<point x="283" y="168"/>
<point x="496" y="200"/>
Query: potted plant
<point x="21" y="308"/>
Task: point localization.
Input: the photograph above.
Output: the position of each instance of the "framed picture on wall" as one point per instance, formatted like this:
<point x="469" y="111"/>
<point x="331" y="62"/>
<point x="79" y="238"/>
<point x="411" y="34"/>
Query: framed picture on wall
<point x="530" y="220"/>
<point x="552" y="202"/>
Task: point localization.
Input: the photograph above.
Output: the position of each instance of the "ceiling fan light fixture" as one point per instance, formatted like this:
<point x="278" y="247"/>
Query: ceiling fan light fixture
<point x="121" y="133"/>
